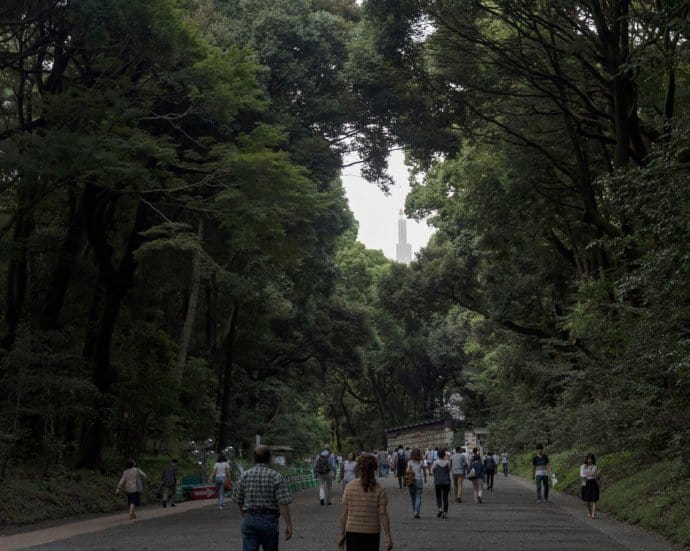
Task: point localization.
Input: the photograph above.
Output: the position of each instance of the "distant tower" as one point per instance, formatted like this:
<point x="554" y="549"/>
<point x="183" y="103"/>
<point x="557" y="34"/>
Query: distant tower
<point x="403" y="250"/>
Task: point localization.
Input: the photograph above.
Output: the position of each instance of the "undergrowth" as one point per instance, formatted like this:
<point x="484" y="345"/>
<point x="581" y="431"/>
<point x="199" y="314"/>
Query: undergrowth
<point x="654" y="496"/>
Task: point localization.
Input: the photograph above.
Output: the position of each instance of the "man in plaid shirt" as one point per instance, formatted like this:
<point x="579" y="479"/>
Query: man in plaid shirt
<point x="262" y="495"/>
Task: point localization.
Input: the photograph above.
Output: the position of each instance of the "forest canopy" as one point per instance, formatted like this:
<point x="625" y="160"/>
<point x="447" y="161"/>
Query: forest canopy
<point x="178" y="259"/>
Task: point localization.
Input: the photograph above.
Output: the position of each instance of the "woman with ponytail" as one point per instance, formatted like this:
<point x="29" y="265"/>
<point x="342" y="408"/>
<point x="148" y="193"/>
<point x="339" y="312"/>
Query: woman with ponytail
<point x="365" y="510"/>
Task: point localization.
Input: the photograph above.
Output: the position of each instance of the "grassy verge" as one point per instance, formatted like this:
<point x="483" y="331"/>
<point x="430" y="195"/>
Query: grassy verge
<point x="656" y="496"/>
<point x="29" y="496"/>
<point x="30" y="500"/>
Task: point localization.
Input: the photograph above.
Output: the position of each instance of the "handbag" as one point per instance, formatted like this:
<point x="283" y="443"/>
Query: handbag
<point x="472" y="474"/>
<point x="409" y="479"/>
<point x="228" y="484"/>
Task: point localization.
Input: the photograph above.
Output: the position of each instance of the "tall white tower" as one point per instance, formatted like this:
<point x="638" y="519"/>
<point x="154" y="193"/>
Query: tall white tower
<point x="403" y="250"/>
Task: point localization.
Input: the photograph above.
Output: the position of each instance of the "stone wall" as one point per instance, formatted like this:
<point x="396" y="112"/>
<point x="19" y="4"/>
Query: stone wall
<point x="424" y="435"/>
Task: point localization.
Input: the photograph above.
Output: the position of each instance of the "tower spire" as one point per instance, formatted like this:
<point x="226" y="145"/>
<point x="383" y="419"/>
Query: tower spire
<point x="403" y="250"/>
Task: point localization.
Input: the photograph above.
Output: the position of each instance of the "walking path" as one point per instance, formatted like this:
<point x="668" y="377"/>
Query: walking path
<point x="508" y="519"/>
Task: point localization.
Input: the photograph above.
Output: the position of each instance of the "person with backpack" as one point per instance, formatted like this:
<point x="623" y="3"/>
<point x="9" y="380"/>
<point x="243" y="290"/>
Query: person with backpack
<point x="325" y="470"/>
<point x="490" y="470"/>
<point x="400" y="465"/>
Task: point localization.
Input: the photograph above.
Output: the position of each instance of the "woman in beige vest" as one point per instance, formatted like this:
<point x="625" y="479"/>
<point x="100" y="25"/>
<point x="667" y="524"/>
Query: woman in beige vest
<point x="365" y="510"/>
<point x="132" y="482"/>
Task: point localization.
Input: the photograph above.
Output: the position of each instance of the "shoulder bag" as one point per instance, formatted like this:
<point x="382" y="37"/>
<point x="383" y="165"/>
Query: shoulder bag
<point x="409" y="478"/>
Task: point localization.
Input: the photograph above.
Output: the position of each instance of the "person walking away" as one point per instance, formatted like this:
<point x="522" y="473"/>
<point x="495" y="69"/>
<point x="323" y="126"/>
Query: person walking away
<point x="365" y="510"/>
<point x="400" y="465"/>
<point x="589" y="474"/>
<point x="347" y="472"/>
<point x="262" y="494"/>
<point x="416" y="465"/>
<point x="504" y="462"/>
<point x="490" y="465"/>
<point x="458" y="468"/>
<point x="429" y="458"/>
<point x="169" y="483"/>
<point x="441" y="472"/>
<point x="325" y="470"/>
<point x="476" y="476"/>
<point x="383" y="462"/>
<point x="541" y="469"/>
<point x="219" y="474"/>
<point x="132" y="482"/>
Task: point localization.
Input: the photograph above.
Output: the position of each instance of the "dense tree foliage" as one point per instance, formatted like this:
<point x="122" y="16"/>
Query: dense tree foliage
<point x="559" y="212"/>
<point x="167" y="252"/>
<point x="178" y="260"/>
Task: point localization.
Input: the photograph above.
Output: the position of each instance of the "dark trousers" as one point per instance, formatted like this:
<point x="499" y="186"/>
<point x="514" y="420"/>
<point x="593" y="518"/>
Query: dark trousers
<point x="545" y="480"/>
<point x="354" y="541"/>
<point x="489" y="480"/>
<point x="442" y="491"/>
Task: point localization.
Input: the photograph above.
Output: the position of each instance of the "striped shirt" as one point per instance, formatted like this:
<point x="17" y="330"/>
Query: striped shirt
<point x="261" y="488"/>
<point x="364" y="508"/>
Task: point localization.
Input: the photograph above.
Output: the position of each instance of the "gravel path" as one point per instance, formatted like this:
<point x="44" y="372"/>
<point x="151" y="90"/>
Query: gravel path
<point x="508" y="519"/>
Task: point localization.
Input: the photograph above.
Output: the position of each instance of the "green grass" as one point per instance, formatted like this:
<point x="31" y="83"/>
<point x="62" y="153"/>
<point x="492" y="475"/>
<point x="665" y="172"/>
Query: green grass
<point x="29" y="495"/>
<point x="656" y="496"/>
<point x="30" y="500"/>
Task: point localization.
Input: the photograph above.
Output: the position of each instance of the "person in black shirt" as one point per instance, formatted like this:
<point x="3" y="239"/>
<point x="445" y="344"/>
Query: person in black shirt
<point x="541" y="469"/>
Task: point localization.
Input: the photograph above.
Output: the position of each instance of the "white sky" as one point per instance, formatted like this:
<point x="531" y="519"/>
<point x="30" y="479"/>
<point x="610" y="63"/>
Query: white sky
<point x="378" y="213"/>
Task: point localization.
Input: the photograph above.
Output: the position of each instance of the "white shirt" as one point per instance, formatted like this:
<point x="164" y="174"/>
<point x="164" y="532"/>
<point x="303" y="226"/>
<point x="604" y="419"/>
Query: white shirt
<point x="417" y="467"/>
<point x="349" y="470"/>
<point x="219" y="469"/>
<point x="588" y="472"/>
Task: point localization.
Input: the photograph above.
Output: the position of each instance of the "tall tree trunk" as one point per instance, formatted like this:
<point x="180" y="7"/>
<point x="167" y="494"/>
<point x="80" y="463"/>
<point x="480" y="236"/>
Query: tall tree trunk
<point x="17" y="274"/>
<point x="348" y="421"/>
<point x="192" y="306"/>
<point x="116" y="284"/>
<point x="225" y="403"/>
<point x="64" y="268"/>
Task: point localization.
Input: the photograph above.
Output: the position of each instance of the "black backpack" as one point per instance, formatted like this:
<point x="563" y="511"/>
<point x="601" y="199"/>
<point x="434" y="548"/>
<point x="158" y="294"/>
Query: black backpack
<point x="323" y="465"/>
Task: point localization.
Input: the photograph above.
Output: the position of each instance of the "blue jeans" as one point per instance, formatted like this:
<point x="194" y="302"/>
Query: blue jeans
<point x="260" y="530"/>
<point x="416" y="495"/>
<point x="220" y="490"/>
<point x="383" y="469"/>
<point x="545" y="480"/>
